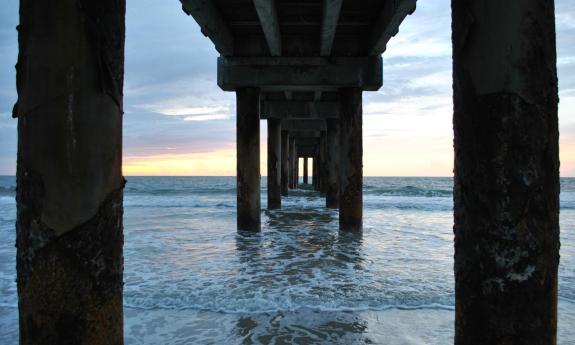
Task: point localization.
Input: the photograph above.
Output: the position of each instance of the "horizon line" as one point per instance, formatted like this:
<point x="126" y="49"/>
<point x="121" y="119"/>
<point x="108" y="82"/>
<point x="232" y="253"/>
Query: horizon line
<point x="425" y="176"/>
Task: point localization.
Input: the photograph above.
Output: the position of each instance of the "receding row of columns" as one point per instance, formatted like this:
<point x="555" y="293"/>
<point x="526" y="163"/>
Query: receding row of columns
<point x="337" y="168"/>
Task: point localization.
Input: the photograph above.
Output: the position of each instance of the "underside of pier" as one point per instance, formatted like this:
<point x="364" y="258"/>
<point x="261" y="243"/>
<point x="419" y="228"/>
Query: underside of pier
<point x="307" y="63"/>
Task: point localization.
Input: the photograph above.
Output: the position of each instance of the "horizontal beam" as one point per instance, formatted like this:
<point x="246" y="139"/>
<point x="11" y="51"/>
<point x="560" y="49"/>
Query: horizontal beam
<point x="331" y="10"/>
<point x="387" y="25"/>
<point x="299" y="110"/>
<point x="310" y="23"/>
<point x="268" y="16"/>
<point x="304" y="125"/>
<point x="304" y="134"/>
<point x="306" y="151"/>
<point x="302" y="141"/>
<point x="211" y="23"/>
<point x="294" y="73"/>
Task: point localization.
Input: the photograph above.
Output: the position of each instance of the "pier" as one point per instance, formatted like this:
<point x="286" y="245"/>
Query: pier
<point x="299" y="65"/>
<point x="302" y="66"/>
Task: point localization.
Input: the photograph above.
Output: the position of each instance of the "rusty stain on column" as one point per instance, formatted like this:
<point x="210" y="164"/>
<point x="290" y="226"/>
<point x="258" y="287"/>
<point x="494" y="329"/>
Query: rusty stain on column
<point x="506" y="195"/>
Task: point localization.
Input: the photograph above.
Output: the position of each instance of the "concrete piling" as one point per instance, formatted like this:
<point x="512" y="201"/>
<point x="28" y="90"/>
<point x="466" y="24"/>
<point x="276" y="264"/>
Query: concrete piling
<point x="351" y="160"/>
<point x="305" y="168"/>
<point x="69" y="232"/>
<point x="296" y="169"/>
<point x="332" y="164"/>
<point x="315" y="175"/>
<point x="506" y="195"/>
<point x="292" y="160"/>
<point x="274" y="164"/>
<point x="323" y="164"/>
<point x="285" y="163"/>
<point x="248" y="159"/>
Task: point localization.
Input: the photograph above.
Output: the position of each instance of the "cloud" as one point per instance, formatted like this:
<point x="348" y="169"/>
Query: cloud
<point x="185" y="110"/>
<point x="148" y="133"/>
<point x="212" y="117"/>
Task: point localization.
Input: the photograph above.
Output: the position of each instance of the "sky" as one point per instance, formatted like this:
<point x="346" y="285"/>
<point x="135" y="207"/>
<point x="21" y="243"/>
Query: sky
<point x="178" y="122"/>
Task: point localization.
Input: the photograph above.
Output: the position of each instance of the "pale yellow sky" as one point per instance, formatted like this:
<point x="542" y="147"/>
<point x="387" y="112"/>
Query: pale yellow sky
<point x="397" y="155"/>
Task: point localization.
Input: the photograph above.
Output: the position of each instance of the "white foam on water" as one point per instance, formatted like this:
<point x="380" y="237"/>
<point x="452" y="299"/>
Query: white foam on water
<point x="185" y="261"/>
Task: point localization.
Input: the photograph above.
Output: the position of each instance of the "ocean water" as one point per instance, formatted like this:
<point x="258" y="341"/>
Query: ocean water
<point x="190" y="278"/>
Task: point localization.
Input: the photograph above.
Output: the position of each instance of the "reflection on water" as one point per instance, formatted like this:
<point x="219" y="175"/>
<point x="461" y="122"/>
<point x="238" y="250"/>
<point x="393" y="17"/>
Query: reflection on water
<point x="301" y="249"/>
<point x="302" y="327"/>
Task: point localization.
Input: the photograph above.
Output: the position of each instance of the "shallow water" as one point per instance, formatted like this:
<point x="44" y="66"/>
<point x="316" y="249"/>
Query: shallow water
<point x="191" y="278"/>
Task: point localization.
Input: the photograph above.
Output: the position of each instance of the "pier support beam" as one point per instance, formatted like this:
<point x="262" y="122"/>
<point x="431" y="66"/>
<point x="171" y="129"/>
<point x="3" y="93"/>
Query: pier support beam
<point x="506" y="172"/>
<point x="305" y="168"/>
<point x="315" y="172"/>
<point x="323" y="164"/>
<point x="296" y="182"/>
<point x="351" y="160"/>
<point x="69" y="233"/>
<point x="274" y="164"/>
<point x="332" y="164"/>
<point x="292" y="160"/>
<point x="248" y="159"/>
<point x="285" y="163"/>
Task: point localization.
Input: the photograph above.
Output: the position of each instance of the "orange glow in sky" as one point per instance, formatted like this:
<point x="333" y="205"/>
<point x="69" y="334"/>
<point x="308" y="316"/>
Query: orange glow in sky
<point x="215" y="163"/>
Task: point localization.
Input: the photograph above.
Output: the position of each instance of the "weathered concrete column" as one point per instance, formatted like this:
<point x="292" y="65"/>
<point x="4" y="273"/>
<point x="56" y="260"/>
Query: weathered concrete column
<point x="318" y="171"/>
<point x="315" y="181"/>
<point x="285" y="164"/>
<point x="305" y="167"/>
<point x="332" y="164"/>
<point x="274" y="164"/>
<point x="69" y="234"/>
<point x="351" y="160"/>
<point x="506" y="196"/>
<point x="296" y="182"/>
<point x="248" y="159"/>
<point x="292" y="162"/>
<point x="323" y="164"/>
